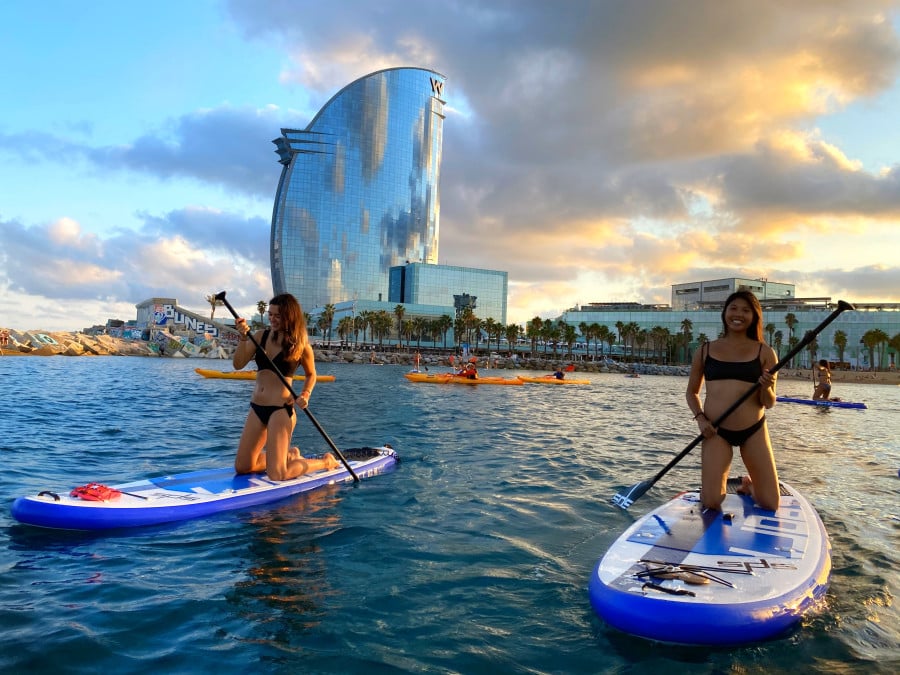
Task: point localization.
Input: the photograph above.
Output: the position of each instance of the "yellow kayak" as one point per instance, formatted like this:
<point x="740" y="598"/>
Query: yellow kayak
<point x="450" y="378"/>
<point x="249" y="375"/>
<point x="549" y="379"/>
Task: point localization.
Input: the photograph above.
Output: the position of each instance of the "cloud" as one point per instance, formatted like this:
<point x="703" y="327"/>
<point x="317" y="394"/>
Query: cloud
<point x="225" y="147"/>
<point x="187" y="254"/>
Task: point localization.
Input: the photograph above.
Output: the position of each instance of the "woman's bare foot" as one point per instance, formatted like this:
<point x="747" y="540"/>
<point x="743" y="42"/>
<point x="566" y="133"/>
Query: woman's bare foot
<point x="746" y="487"/>
<point x="330" y="461"/>
<point x="293" y="454"/>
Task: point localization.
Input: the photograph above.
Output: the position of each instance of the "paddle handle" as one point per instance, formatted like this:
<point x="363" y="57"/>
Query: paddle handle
<point x="809" y="337"/>
<point x="272" y="366"/>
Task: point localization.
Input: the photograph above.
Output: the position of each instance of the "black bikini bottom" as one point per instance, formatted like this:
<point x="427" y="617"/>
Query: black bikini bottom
<point x="738" y="438"/>
<point x="264" y="412"/>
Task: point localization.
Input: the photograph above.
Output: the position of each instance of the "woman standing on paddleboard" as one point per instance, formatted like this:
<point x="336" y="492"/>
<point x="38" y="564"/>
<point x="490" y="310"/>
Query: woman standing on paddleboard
<point x="729" y="366"/>
<point x="265" y="443"/>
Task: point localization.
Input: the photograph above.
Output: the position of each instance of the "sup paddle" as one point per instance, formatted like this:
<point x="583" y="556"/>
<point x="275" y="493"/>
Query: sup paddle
<point x="637" y="490"/>
<point x="221" y="296"/>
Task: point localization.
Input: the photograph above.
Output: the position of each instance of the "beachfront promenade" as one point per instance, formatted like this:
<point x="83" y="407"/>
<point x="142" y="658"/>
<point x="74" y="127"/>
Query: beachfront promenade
<point x="80" y="344"/>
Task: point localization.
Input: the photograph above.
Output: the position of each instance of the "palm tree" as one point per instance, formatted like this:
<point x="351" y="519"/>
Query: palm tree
<point x="779" y="337"/>
<point x="445" y="323"/>
<point x="419" y="327"/>
<point x="570" y="335"/>
<point x="359" y="324"/>
<point x="686" y="327"/>
<point x="549" y="333"/>
<point x="326" y="318"/>
<point x="791" y="320"/>
<point x="367" y="317"/>
<point x="261" y="307"/>
<point x="345" y="327"/>
<point x="840" y="341"/>
<point x="872" y="339"/>
<point x="639" y="339"/>
<point x="602" y="333"/>
<point x="620" y="327"/>
<point x="399" y="312"/>
<point x="894" y="344"/>
<point x="512" y="336"/>
<point x="533" y="332"/>
<point x="770" y="331"/>
<point x="407" y="330"/>
<point x="490" y="327"/>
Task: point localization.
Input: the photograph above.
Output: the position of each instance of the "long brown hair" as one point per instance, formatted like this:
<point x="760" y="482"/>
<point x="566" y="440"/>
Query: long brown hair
<point x="754" y="330"/>
<point x="294" y="334"/>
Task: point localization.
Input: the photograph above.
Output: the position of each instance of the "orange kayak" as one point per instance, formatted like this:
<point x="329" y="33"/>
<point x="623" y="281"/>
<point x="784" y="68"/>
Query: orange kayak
<point x="549" y="379"/>
<point x="450" y="378"/>
<point x="249" y="375"/>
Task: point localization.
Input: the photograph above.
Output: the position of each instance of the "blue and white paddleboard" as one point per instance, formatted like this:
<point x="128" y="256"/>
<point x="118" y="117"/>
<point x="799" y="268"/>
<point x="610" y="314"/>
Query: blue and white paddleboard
<point x="186" y="495"/>
<point x="821" y="402"/>
<point x="726" y="577"/>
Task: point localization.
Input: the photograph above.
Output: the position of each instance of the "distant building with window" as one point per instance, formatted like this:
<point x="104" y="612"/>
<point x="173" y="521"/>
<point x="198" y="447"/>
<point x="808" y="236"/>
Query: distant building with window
<point x="485" y="291"/>
<point x="697" y="306"/>
<point x="700" y="294"/>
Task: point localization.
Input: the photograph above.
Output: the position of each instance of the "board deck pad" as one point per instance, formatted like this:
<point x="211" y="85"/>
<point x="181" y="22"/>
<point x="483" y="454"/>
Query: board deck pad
<point x="683" y="575"/>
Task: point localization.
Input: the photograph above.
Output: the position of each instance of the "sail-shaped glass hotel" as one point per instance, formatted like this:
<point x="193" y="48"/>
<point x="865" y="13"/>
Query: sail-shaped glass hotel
<point x="358" y="192"/>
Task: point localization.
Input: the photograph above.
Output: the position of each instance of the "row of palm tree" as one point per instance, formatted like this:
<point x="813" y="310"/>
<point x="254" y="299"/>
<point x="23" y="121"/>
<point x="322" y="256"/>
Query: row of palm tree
<point x="657" y="343"/>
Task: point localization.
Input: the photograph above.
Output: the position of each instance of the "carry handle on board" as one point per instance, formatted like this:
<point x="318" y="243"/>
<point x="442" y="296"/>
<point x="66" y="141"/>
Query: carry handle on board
<point x="637" y="490"/>
<point x="221" y="296"/>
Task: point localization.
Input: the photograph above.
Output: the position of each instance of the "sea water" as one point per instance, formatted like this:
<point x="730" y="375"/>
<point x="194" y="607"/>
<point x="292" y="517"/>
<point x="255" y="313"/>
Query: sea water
<point x="473" y="556"/>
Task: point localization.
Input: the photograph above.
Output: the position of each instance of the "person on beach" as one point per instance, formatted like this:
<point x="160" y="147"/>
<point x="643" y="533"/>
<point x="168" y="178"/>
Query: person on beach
<point x="823" y="381"/>
<point x="265" y="443"/>
<point x="729" y="366"/>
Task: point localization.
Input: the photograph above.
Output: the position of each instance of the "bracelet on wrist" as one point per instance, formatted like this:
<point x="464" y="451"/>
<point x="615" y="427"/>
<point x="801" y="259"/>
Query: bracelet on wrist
<point x="699" y="414"/>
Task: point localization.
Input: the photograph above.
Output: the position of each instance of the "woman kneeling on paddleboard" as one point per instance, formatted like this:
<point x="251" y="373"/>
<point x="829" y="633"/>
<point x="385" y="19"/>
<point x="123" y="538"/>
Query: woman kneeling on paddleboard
<point x="729" y="366"/>
<point x="265" y="443"/>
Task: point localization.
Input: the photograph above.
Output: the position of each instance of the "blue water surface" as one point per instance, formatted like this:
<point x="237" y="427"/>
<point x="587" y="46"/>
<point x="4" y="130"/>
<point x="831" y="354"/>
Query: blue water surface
<point x="472" y="557"/>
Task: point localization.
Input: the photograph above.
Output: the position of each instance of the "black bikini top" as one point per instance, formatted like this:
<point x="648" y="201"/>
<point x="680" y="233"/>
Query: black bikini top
<point x="745" y="371"/>
<point x="285" y="367"/>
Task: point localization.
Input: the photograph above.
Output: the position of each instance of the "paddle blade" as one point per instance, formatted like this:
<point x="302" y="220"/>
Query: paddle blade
<point x="623" y="501"/>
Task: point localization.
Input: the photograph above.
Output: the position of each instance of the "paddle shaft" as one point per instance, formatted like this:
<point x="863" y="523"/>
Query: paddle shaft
<point x="221" y="296"/>
<point x="809" y="337"/>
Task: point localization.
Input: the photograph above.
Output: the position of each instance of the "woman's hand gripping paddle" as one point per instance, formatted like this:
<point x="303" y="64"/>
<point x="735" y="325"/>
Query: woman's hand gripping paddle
<point x="221" y="296"/>
<point x="624" y="500"/>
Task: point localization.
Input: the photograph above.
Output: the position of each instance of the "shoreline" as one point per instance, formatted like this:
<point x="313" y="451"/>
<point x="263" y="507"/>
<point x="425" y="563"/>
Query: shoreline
<point x="79" y="344"/>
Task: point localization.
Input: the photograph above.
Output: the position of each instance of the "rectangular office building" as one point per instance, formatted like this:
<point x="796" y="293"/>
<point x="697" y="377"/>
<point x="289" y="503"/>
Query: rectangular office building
<point x="484" y="291"/>
<point x="704" y="294"/>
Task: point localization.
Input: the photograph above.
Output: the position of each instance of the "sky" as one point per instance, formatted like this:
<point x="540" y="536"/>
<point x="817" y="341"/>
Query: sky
<point x="596" y="151"/>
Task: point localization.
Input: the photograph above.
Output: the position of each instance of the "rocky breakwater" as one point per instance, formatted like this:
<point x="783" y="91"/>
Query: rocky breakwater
<point x="52" y="343"/>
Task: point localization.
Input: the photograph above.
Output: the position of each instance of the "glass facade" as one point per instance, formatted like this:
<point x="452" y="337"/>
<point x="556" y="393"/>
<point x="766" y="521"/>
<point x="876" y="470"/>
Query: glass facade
<point x="485" y="291"/>
<point x="358" y="193"/>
